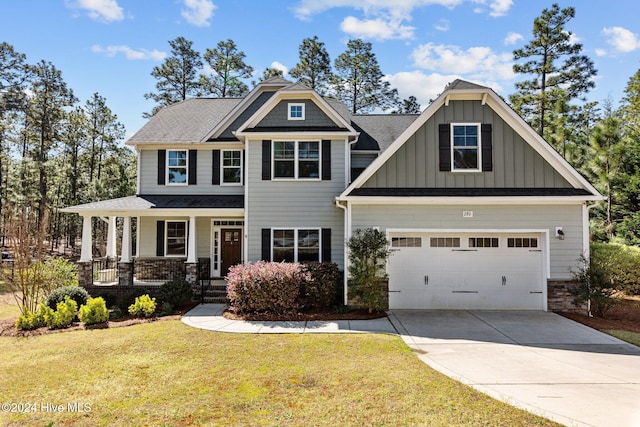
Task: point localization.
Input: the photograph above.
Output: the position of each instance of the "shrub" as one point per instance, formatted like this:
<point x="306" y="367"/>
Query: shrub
<point x="594" y="286"/>
<point x="109" y="299"/>
<point x="265" y="287"/>
<point x="95" y="311"/>
<point x="321" y="288"/>
<point x="620" y="263"/>
<point x="63" y="316"/>
<point x="115" y="312"/>
<point x="368" y="253"/>
<point x="144" y="306"/>
<point x="60" y="272"/>
<point x="175" y="292"/>
<point x="130" y="298"/>
<point x="76" y="293"/>
<point x="30" y="320"/>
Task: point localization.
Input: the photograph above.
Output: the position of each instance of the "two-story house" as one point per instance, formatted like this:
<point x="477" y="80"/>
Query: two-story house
<point x="479" y="210"/>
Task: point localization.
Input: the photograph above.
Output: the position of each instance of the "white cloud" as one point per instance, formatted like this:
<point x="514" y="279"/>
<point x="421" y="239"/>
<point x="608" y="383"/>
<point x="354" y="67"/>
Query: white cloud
<point x="601" y="52"/>
<point x="279" y="66"/>
<point x="475" y="62"/>
<point x="622" y="39"/>
<point x="379" y="28"/>
<point x="512" y="38"/>
<point x="129" y="53"/>
<point x="424" y="87"/>
<point x="198" y="12"/>
<point x="500" y="7"/>
<point x="100" y="10"/>
<point x="442" y="25"/>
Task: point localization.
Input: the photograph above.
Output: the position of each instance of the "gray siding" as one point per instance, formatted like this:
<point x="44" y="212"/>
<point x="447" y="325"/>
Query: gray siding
<point x="244" y="116"/>
<point x="515" y="163"/>
<point x="295" y="204"/>
<point x="564" y="253"/>
<point x="149" y="174"/>
<point x="314" y="116"/>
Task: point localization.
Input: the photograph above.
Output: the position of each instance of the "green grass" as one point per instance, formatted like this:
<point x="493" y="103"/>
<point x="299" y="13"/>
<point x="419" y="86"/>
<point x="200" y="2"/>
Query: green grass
<point x="8" y="307"/>
<point x="630" y="337"/>
<point x="168" y="374"/>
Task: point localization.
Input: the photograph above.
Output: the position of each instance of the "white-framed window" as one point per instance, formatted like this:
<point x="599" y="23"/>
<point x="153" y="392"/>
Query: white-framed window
<point x="295" y="111"/>
<point x="296" y="160"/>
<point x="231" y="167"/>
<point x="177" y="167"/>
<point x="295" y="244"/>
<point x="176" y="238"/>
<point x="484" y="242"/>
<point x="466" y="147"/>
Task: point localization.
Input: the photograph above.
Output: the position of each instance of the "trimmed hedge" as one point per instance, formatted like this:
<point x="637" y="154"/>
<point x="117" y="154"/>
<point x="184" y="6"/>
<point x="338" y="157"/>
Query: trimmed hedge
<point x="270" y="287"/>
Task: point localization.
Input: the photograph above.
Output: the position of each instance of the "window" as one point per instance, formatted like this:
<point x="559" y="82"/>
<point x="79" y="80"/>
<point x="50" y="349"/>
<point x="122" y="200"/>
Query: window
<point x="296" y="111"/>
<point x="177" y="166"/>
<point x="231" y="166"/>
<point x="522" y="242"/>
<point x="465" y="146"/>
<point x="406" y="242"/>
<point x="484" y="242"/>
<point x="176" y="238"/>
<point x="296" y="159"/>
<point x="296" y="245"/>
<point x="445" y="242"/>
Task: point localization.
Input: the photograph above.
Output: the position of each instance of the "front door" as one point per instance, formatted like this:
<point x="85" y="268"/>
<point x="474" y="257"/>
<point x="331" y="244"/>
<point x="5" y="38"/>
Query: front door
<point x="231" y="252"/>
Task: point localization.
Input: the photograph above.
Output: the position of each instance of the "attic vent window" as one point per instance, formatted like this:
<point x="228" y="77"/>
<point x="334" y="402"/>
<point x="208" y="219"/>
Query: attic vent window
<point x="296" y="111"/>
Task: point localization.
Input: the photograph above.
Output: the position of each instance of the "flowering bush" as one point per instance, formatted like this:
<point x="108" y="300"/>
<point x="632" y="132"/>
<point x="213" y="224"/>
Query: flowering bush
<point x="320" y="291"/>
<point x="265" y="287"/>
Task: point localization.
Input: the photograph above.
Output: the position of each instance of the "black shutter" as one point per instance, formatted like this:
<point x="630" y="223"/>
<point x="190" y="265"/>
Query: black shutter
<point x="326" y="245"/>
<point x="244" y="166"/>
<point x="326" y="160"/>
<point x="160" y="238"/>
<point x="162" y="163"/>
<point x="193" y="167"/>
<point x="266" y="160"/>
<point x="444" y="147"/>
<point x="215" y="178"/>
<point x="266" y="244"/>
<point x="487" y="147"/>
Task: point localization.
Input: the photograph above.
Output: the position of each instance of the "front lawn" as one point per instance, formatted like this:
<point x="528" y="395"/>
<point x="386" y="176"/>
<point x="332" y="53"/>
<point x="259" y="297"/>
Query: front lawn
<point x="628" y="336"/>
<point x="168" y="374"/>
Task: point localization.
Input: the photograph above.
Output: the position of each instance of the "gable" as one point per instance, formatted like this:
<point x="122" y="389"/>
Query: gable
<point x="314" y="117"/>
<point x="227" y="135"/>
<point x="515" y="164"/>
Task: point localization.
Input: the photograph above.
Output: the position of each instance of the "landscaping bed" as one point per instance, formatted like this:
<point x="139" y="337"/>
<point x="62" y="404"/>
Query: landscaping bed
<point x="624" y="316"/>
<point x="327" y="314"/>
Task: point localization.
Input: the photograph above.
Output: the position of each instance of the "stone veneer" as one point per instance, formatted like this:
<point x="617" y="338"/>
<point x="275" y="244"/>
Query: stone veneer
<point x="560" y="297"/>
<point x="85" y="273"/>
<point x="159" y="269"/>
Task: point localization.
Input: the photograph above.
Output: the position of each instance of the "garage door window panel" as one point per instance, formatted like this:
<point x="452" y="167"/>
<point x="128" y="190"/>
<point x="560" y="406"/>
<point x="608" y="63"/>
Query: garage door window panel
<point x="484" y="242"/>
<point x="522" y="242"/>
<point x="444" y="242"/>
<point x="406" y="242"/>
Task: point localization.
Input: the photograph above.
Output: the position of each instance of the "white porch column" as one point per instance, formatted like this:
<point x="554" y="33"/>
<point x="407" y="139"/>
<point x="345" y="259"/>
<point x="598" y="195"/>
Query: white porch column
<point x="111" y="238"/>
<point x="192" y="257"/>
<point x="126" y="240"/>
<point x="85" y="250"/>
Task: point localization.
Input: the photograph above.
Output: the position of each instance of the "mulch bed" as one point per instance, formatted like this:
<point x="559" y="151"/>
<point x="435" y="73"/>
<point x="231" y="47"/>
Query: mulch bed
<point x="329" y="314"/>
<point x="622" y="316"/>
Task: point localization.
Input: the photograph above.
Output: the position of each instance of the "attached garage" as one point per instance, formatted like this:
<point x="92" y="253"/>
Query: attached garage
<point x="484" y="270"/>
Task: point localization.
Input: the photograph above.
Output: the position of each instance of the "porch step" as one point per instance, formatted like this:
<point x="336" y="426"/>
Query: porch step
<point x="215" y="300"/>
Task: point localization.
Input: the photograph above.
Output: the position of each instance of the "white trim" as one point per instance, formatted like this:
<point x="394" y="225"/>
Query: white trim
<point x="478" y="126"/>
<point x="245" y="213"/>
<point x="504" y="112"/>
<point x="296" y="161"/>
<point x="166" y="238"/>
<point x="167" y="167"/>
<point x="479" y="200"/>
<point x="295" y="241"/>
<point x="222" y="167"/>
<point x="295" y="104"/>
<point x="213" y="271"/>
<point x="586" y="248"/>
<point x="544" y="244"/>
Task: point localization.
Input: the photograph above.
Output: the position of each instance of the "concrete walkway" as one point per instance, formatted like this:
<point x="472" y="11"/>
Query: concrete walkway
<point x="537" y="361"/>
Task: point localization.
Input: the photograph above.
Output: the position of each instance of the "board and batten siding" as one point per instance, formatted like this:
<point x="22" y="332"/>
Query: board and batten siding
<point x="149" y="176"/>
<point x="515" y="163"/>
<point x="295" y="203"/>
<point x="564" y="254"/>
<point x="314" y="116"/>
<point x="147" y="235"/>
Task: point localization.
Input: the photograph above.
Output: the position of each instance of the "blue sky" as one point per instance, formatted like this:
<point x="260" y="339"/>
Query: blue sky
<point x="111" y="46"/>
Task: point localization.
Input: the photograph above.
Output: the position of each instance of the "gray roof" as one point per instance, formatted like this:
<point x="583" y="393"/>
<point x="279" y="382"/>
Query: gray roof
<point x="465" y="85"/>
<point x="163" y="201"/>
<point x="378" y="131"/>
<point x="185" y="122"/>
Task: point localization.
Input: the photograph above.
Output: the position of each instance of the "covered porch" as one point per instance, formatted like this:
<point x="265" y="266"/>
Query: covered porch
<point x="194" y="238"/>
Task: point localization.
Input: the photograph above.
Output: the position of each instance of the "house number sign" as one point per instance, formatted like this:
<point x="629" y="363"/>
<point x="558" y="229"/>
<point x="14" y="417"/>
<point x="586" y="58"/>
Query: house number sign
<point x="467" y="214"/>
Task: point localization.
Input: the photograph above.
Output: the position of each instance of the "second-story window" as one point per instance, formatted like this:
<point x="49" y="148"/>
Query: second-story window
<point x="177" y="166"/>
<point x="231" y="166"/>
<point x="296" y="111"/>
<point x="465" y="146"/>
<point x="296" y="159"/>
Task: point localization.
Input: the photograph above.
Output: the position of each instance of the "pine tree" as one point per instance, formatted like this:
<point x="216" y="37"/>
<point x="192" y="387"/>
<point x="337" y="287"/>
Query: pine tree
<point x="176" y="76"/>
<point x="314" y="68"/>
<point x="408" y="106"/>
<point x="228" y="69"/>
<point x="358" y="81"/>
<point x="556" y="66"/>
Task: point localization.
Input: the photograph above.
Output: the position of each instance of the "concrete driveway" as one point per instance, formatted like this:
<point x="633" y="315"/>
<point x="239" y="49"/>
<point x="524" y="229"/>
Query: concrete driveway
<point x="538" y="361"/>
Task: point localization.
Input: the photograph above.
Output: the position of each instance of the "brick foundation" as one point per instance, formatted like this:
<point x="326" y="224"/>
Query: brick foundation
<point x="191" y="273"/>
<point x="560" y="298"/>
<point x="125" y="273"/>
<point x="159" y="269"/>
<point x="85" y="273"/>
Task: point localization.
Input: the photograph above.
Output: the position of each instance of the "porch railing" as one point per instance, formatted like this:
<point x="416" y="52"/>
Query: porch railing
<point x="104" y="270"/>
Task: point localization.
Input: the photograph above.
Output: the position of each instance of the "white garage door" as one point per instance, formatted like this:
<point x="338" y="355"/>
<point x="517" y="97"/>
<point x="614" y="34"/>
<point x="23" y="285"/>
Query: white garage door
<point x="466" y="271"/>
